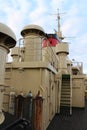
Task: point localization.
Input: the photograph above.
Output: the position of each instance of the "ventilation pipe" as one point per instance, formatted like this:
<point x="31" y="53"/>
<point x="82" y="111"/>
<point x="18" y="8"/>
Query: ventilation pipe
<point x="32" y="35"/>
<point x="7" y="41"/>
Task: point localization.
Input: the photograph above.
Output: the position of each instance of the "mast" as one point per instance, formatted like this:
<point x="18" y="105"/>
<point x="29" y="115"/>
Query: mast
<point x="58" y="32"/>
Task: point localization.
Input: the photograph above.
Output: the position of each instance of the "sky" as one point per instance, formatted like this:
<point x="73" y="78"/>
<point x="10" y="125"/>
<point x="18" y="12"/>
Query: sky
<point x="18" y="13"/>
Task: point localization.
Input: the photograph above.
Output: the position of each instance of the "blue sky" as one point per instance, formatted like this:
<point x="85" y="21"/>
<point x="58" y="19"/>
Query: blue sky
<point x="19" y="13"/>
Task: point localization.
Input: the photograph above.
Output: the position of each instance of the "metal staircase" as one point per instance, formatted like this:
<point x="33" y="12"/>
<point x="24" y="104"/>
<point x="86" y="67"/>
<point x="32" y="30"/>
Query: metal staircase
<point x="66" y="93"/>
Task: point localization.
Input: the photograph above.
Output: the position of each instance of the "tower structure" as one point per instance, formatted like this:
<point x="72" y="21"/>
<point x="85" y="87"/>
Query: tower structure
<point x="32" y="35"/>
<point x="62" y="49"/>
<point x="7" y="41"/>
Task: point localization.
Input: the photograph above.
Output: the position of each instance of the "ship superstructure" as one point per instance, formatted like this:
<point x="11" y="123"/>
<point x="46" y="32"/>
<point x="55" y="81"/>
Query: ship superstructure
<point x="41" y="79"/>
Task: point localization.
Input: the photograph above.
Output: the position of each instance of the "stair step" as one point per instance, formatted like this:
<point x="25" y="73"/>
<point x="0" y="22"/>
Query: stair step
<point x="65" y="92"/>
<point x="65" y="82"/>
<point x="65" y="89"/>
<point x="65" y="76"/>
<point x="65" y="96"/>
<point x="65" y="104"/>
<point x="65" y="86"/>
<point x="65" y="99"/>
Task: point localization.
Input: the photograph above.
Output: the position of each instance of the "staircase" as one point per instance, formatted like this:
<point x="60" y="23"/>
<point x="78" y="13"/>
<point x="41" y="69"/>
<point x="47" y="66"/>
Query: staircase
<point x="66" y="94"/>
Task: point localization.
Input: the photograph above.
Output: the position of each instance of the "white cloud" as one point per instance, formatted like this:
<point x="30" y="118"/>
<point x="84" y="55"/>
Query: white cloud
<point x="19" y="13"/>
<point x="72" y="21"/>
<point x="16" y="12"/>
<point x="78" y="50"/>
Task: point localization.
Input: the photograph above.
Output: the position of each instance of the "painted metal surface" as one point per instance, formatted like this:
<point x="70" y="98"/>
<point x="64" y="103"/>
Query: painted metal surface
<point x="38" y="103"/>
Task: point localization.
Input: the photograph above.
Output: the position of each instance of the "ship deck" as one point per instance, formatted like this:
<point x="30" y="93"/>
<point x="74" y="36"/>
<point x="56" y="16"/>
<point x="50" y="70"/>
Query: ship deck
<point x="63" y="121"/>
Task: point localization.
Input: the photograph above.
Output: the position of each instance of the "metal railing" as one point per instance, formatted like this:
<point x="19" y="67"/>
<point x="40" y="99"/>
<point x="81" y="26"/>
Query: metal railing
<point x="70" y="72"/>
<point x="59" y="95"/>
<point x="78" y="66"/>
<point x="71" y="90"/>
<point x="36" y="52"/>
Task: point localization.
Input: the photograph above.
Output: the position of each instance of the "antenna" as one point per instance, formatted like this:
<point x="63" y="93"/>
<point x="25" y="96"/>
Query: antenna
<point x="70" y="37"/>
<point x="59" y="33"/>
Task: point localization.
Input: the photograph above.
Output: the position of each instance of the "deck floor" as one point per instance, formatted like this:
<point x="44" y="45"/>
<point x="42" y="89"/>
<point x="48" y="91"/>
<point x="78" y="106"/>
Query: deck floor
<point x="63" y="121"/>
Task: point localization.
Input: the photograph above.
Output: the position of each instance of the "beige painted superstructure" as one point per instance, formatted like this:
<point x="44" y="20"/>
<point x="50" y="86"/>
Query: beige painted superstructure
<point x="35" y="68"/>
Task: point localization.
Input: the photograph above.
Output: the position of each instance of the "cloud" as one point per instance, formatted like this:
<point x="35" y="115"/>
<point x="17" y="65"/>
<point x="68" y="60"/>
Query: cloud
<point x="71" y="21"/>
<point x="19" y="13"/>
<point x="37" y="13"/>
<point x="74" y="24"/>
<point x="78" y="50"/>
<point x="15" y="12"/>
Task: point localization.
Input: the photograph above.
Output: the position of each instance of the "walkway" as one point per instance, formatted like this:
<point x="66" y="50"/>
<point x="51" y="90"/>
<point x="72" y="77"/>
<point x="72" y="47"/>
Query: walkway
<point x="77" y="121"/>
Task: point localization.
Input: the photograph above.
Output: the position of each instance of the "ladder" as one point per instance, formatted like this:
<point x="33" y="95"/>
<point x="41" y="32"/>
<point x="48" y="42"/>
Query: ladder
<point x="66" y="93"/>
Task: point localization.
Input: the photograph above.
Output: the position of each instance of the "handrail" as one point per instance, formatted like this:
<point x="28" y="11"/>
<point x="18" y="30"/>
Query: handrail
<point x="23" y="122"/>
<point x="60" y="79"/>
<point x="78" y="65"/>
<point x="48" y="54"/>
<point x="71" y="95"/>
<point x="71" y="89"/>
